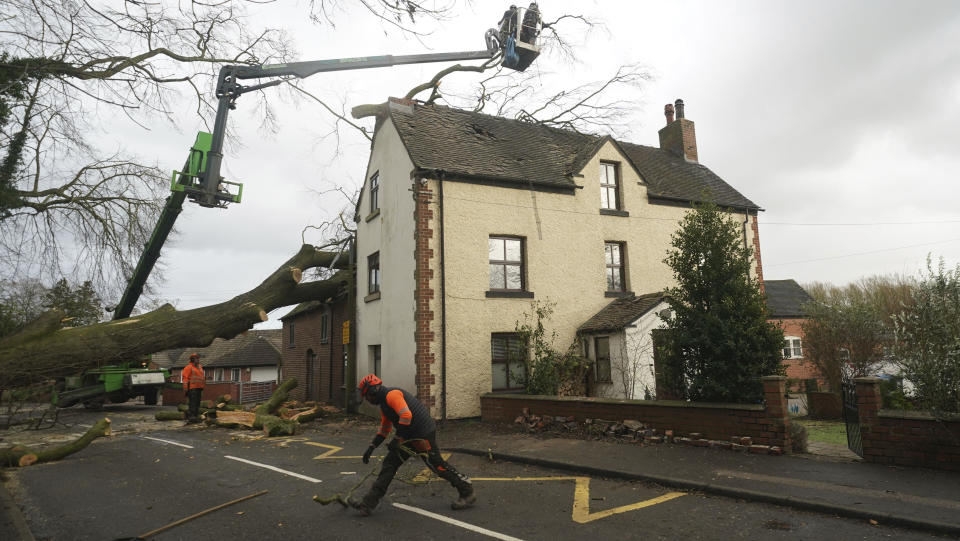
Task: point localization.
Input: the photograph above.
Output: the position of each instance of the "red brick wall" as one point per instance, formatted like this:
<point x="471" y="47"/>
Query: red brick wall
<point x="905" y="438"/>
<point x="797" y="369"/>
<point x="325" y="383"/>
<point x="756" y="248"/>
<point x="424" y="294"/>
<point x="824" y="405"/>
<point x="766" y="425"/>
<point x="211" y="391"/>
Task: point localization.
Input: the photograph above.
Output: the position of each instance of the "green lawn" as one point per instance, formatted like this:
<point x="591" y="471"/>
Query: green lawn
<point x="824" y="431"/>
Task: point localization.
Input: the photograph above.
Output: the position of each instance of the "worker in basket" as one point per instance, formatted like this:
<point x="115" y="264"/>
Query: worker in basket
<point x="416" y="435"/>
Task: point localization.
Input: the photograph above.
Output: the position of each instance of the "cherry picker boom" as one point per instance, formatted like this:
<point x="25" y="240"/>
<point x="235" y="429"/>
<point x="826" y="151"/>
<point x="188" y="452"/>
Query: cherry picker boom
<point x="200" y="181"/>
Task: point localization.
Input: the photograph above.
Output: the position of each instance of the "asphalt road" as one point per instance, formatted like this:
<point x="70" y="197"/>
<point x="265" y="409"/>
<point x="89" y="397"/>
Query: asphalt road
<point x="147" y="477"/>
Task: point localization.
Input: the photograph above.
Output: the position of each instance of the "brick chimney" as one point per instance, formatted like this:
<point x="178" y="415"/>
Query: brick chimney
<point x="678" y="136"/>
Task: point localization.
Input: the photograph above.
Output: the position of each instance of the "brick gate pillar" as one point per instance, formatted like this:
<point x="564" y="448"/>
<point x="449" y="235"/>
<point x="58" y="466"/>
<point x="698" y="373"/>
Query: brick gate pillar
<point x="778" y="415"/>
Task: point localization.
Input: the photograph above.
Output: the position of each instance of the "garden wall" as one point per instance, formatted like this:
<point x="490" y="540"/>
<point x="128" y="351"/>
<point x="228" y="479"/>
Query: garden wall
<point x="240" y="393"/>
<point x="824" y="405"/>
<point x="902" y="437"/>
<point x="766" y="425"/>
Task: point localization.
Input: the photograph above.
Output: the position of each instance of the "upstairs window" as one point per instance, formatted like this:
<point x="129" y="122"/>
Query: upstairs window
<point x="375" y="192"/>
<point x="613" y="256"/>
<point x="609" y="186"/>
<point x="290" y="342"/>
<point x="506" y="263"/>
<point x="373" y="273"/>
<point x="325" y="325"/>
<point x="792" y="348"/>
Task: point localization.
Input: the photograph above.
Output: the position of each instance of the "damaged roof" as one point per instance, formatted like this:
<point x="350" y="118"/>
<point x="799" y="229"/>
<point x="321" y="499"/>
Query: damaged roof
<point x="785" y="298"/>
<point x="621" y="312"/>
<point x="475" y="146"/>
<point x="255" y="348"/>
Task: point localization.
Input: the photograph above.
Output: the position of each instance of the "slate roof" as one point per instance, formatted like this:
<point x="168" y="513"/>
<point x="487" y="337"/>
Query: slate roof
<point x="785" y="298"/>
<point x="621" y="312"/>
<point x="256" y="348"/>
<point x="302" y="308"/>
<point x="482" y="147"/>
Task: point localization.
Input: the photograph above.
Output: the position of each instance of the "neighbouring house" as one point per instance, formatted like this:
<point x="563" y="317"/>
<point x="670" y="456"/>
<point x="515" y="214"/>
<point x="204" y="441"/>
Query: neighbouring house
<point x="313" y="350"/>
<point x="619" y="339"/>
<point x="785" y="300"/>
<point x="249" y="358"/>
<point x="465" y="220"/>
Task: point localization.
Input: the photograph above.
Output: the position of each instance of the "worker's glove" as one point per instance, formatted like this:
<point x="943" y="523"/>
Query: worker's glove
<point x="366" y="456"/>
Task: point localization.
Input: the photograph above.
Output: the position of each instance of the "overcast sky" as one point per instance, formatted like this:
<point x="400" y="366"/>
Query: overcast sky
<point x="840" y="119"/>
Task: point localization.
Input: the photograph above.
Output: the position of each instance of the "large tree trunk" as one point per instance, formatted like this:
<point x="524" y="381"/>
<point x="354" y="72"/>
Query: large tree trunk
<point x="45" y="352"/>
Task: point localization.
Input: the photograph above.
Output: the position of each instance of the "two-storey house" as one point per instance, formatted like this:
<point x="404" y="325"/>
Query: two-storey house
<point x="466" y="219"/>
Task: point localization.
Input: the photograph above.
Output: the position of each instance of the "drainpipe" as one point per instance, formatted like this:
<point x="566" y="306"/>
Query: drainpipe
<point x="443" y="305"/>
<point x="746" y="241"/>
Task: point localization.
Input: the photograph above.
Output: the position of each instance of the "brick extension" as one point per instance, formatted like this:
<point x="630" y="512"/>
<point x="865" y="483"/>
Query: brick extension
<point x="423" y="295"/>
<point x="764" y="425"/>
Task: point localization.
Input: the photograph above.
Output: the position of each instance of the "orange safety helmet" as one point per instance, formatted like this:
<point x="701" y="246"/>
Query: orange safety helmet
<point x="194" y="357"/>
<point x="368" y="381"/>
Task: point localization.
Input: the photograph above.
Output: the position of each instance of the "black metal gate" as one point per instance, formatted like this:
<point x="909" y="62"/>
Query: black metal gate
<point x="851" y="417"/>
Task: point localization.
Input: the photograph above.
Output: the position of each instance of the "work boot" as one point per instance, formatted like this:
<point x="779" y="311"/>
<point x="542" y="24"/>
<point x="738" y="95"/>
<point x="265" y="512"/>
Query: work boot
<point x="360" y="506"/>
<point x="467" y="499"/>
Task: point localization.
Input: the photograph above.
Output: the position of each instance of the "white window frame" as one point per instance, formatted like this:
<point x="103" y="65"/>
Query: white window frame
<point x="610" y="186"/>
<point x="792" y="347"/>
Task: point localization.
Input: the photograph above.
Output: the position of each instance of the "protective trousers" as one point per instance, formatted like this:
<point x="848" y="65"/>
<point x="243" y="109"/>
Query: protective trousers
<point x="193" y="407"/>
<point x="398" y="454"/>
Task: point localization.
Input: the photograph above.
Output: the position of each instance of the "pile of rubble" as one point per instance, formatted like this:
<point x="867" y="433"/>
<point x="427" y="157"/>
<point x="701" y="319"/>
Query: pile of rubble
<point x="630" y="431"/>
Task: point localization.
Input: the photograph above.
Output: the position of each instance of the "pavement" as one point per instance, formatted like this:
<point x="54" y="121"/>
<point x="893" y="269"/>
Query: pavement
<point x="836" y="484"/>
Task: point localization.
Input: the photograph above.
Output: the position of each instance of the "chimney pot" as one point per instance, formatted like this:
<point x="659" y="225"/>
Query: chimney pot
<point x="668" y="112"/>
<point x="679" y="105"/>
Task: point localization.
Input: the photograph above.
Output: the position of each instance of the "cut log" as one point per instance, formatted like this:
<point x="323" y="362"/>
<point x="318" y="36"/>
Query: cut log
<point x="278" y="397"/>
<point x="235" y="418"/>
<point x="27" y="460"/>
<point x="275" y="426"/>
<point x="306" y="416"/>
<point x="223" y="399"/>
<point x="170" y="415"/>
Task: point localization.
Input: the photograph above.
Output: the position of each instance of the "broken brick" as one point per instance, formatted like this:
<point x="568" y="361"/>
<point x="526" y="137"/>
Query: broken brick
<point x="760" y="449"/>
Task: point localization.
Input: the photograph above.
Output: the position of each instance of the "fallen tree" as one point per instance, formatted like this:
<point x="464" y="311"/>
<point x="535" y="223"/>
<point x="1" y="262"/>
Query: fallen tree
<point x="44" y="351"/>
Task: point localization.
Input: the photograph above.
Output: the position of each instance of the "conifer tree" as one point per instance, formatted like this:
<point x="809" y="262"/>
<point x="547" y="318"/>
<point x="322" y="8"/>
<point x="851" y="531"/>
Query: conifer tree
<point x="719" y="337"/>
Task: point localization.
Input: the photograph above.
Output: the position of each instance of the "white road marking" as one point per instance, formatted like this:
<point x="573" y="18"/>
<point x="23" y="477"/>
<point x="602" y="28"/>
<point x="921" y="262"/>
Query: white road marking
<point x="168" y="441"/>
<point x="274" y="468"/>
<point x="348" y="473"/>
<point x="455" y="522"/>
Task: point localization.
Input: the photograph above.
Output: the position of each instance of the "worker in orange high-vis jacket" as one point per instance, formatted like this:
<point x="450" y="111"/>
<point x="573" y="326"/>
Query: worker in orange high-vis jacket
<point x="416" y="435"/>
<point x="193" y="380"/>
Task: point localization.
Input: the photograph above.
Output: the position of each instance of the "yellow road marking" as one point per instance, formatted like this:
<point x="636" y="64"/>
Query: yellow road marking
<point x="581" y="497"/>
<point x="333" y="449"/>
<point x="581" y="491"/>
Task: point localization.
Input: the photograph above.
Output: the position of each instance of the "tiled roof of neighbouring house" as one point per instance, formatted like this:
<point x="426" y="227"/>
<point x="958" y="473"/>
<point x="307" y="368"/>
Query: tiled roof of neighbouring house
<point x="483" y="147"/>
<point x="302" y="308"/>
<point x="621" y="312"/>
<point x="785" y="298"/>
<point x="255" y="348"/>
